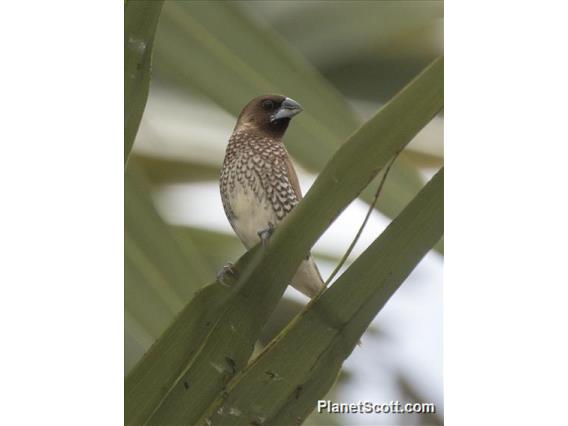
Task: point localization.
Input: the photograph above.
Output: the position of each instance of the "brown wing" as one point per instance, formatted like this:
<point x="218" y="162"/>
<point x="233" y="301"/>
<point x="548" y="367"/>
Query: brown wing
<point x="293" y="177"/>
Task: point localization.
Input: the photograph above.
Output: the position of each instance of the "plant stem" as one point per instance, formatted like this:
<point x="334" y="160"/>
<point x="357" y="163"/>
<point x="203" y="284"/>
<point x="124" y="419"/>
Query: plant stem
<point x="360" y="231"/>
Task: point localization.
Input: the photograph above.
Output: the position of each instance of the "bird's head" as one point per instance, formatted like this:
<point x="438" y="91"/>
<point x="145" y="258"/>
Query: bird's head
<point x="268" y="114"/>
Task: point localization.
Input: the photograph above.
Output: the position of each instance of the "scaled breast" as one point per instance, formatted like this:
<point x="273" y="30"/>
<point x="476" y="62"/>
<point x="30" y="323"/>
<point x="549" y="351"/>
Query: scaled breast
<point x="255" y="171"/>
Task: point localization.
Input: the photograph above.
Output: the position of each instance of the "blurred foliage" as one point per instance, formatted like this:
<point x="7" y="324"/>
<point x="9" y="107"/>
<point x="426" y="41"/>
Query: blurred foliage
<point x="199" y="39"/>
<point x="163" y="171"/>
<point x="140" y="20"/>
<point x="159" y="275"/>
<point x="214" y="336"/>
<point x="368" y="49"/>
<point x="342" y="60"/>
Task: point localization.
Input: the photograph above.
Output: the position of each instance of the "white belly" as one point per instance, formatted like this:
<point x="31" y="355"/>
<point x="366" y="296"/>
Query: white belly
<point x="252" y="214"/>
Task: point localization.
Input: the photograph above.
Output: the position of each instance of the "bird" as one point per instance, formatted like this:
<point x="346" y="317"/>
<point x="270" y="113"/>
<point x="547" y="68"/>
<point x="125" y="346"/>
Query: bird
<point x="258" y="183"/>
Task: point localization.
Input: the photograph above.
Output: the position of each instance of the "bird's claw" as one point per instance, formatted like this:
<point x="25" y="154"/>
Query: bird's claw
<point x="265" y="234"/>
<point x="228" y="269"/>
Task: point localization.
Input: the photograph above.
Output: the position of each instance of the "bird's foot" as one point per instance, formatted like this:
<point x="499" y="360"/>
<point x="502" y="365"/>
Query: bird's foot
<point x="227" y="270"/>
<point x="265" y="234"/>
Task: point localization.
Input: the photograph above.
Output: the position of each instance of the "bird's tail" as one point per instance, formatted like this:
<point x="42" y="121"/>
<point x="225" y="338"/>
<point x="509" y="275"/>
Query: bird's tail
<point x="308" y="279"/>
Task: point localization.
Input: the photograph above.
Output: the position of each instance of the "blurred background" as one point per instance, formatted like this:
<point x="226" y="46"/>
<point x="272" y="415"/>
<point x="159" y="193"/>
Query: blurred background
<point x="341" y="61"/>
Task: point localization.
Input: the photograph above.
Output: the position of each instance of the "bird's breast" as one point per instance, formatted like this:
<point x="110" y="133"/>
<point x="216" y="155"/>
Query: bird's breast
<point x="255" y="187"/>
<point x="251" y="208"/>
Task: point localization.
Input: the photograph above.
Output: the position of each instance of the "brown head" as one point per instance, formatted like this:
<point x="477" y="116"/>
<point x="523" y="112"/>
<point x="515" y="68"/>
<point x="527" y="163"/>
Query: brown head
<point x="269" y="115"/>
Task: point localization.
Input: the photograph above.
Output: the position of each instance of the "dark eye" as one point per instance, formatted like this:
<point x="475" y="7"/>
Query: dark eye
<point x="267" y="104"/>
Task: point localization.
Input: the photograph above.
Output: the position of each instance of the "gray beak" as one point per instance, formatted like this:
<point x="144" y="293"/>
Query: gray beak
<point x="288" y="109"/>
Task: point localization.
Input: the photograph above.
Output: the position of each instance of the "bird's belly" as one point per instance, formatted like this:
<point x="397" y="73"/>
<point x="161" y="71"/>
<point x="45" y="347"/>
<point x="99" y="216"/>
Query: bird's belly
<point x="252" y="213"/>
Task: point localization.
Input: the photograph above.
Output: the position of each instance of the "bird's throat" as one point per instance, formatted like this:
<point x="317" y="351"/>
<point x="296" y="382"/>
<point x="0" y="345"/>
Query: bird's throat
<point x="275" y="129"/>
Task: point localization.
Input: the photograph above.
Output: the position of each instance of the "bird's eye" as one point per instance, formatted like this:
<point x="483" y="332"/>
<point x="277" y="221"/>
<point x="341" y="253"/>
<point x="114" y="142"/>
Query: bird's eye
<point x="268" y="104"/>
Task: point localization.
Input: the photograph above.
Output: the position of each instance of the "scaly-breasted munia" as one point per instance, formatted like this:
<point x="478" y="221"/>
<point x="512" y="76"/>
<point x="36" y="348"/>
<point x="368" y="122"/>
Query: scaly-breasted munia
<point x="259" y="186"/>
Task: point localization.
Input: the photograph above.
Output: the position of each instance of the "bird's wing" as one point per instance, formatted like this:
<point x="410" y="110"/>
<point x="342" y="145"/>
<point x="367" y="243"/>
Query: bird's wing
<point x="293" y="177"/>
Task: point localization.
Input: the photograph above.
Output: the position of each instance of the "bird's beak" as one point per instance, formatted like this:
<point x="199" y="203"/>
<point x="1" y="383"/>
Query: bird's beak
<point x="288" y="109"/>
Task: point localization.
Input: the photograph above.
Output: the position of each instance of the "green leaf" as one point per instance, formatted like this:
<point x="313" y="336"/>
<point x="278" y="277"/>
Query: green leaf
<point x="198" y="40"/>
<point x="147" y="315"/>
<point x="140" y="21"/>
<point x="162" y="170"/>
<point x="160" y="276"/>
<point x="136" y="341"/>
<point x="154" y="248"/>
<point x="283" y="385"/>
<point x="262" y="280"/>
<point x="347" y="31"/>
<point x="367" y="49"/>
<point x="160" y="367"/>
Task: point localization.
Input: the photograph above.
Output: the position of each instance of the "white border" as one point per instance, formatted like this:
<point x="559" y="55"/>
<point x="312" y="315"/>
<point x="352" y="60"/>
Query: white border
<point x="61" y="273"/>
<point x="505" y="231"/>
